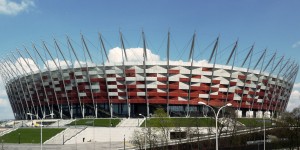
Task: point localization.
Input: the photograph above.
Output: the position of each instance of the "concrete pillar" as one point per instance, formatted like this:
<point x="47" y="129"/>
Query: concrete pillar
<point x="249" y="114"/>
<point x="238" y="113"/>
<point x="267" y="114"/>
<point x="259" y="114"/>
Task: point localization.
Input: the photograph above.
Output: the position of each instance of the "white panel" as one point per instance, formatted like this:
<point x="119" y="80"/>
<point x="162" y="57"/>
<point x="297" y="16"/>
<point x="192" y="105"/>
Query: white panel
<point x="111" y="79"/>
<point x="203" y="95"/>
<point x="93" y="72"/>
<point x="140" y="86"/>
<point x="140" y="93"/>
<point x="112" y="86"/>
<point x="173" y="78"/>
<point x="182" y="98"/>
<point x="205" y="80"/>
<point x="55" y="82"/>
<point x="57" y="89"/>
<point x="236" y="97"/>
<point x="183" y="86"/>
<point x="151" y="78"/>
<point x="78" y="73"/>
<point x="95" y="87"/>
<point x="195" y="80"/>
<point x="68" y="88"/>
<point x="82" y="94"/>
<point x="223" y="89"/>
<point x="152" y="86"/>
<point x="110" y="71"/>
<point x="130" y="78"/>
<point x="113" y="93"/>
<point x="46" y="84"/>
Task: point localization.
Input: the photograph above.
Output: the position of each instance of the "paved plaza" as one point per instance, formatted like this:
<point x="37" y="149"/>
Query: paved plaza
<point x="85" y="146"/>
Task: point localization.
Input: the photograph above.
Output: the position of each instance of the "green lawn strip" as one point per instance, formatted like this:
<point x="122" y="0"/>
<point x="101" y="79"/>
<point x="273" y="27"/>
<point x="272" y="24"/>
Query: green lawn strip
<point x="255" y="122"/>
<point x="30" y="135"/>
<point x="179" y="122"/>
<point x="97" y="123"/>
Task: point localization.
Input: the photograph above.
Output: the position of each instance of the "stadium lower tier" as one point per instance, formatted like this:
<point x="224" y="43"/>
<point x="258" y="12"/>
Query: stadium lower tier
<point x="121" y="110"/>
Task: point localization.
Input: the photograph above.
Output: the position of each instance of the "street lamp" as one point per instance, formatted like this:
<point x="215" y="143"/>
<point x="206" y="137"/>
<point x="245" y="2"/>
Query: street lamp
<point x="19" y="137"/>
<point x="264" y="131"/>
<point x="41" y="125"/>
<point x="216" y="117"/>
<point x="145" y="136"/>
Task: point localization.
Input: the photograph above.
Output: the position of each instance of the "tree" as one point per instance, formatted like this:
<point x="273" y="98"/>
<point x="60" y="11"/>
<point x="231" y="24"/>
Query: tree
<point x="163" y="125"/>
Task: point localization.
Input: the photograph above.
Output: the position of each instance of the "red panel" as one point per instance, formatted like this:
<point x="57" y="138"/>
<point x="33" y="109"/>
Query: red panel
<point x="251" y="92"/>
<point x="195" y="88"/>
<point x="162" y="86"/>
<point x="120" y="79"/>
<point x="184" y="79"/>
<point x="196" y="76"/>
<point x="206" y="69"/>
<point x="241" y="77"/>
<point x="216" y="81"/>
<point x="162" y="79"/>
<point x="130" y="71"/>
<point x="174" y="86"/>
<point x="232" y="83"/>
<point x="121" y="86"/>
<point x="173" y="71"/>
<point x="95" y="79"/>
<point x="239" y="91"/>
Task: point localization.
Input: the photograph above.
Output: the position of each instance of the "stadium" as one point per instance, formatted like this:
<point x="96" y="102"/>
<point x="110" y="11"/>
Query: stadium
<point x="56" y="80"/>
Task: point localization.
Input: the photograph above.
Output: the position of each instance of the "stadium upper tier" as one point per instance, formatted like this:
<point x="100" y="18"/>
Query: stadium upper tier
<point x="129" y="88"/>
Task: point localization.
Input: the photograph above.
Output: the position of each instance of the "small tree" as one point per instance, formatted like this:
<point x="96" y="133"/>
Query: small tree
<point x="137" y="139"/>
<point x="163" y="125"/>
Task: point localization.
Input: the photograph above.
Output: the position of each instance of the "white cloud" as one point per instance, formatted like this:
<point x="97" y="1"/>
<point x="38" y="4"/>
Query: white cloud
<point x="295" y="45"/>
<point x="9" y="7"/>
<point x="59" y="63"/>
<point x="133" y="55"/>
<point x="6" y="111"/>
<point x="24" y="64"/>
<point x="83" y="64"/>
<point x="297" y="85"/>
<point x="3" y="102"/>
<point x="294" y="100"/>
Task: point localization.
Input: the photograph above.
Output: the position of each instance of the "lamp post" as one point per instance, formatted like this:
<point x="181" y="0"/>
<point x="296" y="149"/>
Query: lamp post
<point x="264" y="131"/>
<point x="41" y="125"/>
<point x="216" y="117"/>
<point x="19" y="138"/>
<point x="145" y="137"/>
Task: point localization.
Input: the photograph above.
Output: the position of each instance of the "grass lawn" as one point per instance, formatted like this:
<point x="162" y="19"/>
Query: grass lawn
<point x="179" y="122"/>
<point x="255" y="122"/>
<point x="30" y="135"/>
<point x="98" y="122"/>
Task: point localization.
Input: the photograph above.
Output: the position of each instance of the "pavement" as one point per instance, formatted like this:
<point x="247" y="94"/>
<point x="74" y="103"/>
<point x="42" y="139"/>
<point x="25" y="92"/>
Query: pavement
<point x="89" y="146"/>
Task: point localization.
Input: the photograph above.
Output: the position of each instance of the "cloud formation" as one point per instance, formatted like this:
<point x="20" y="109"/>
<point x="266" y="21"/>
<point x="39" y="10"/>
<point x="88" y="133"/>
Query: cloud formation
<point x="294" y="100"/>
<point x="133" y="55"/>
<point x="6" y="111"/>
<point x="9" y="7"/>
<point x="295" y="45"/>
<point x="297" y="85"/>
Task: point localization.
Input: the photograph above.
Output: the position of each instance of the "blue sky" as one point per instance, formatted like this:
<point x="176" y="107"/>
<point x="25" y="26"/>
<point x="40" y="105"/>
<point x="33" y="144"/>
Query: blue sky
<point x="271" y="23"/>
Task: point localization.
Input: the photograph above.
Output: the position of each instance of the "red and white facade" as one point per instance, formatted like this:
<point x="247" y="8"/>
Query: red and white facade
<point x="93" y="86"/>
<point x="130" y="88"/>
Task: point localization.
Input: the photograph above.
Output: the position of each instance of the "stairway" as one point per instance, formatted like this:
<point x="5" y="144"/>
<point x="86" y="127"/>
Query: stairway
<point x="61" y="122"/>
<point x="131" y="122"/>
<point x="64" y="136"/>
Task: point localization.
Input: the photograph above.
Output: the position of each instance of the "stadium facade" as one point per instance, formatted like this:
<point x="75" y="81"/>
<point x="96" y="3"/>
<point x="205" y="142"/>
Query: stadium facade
<point x="129" y="88"/>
